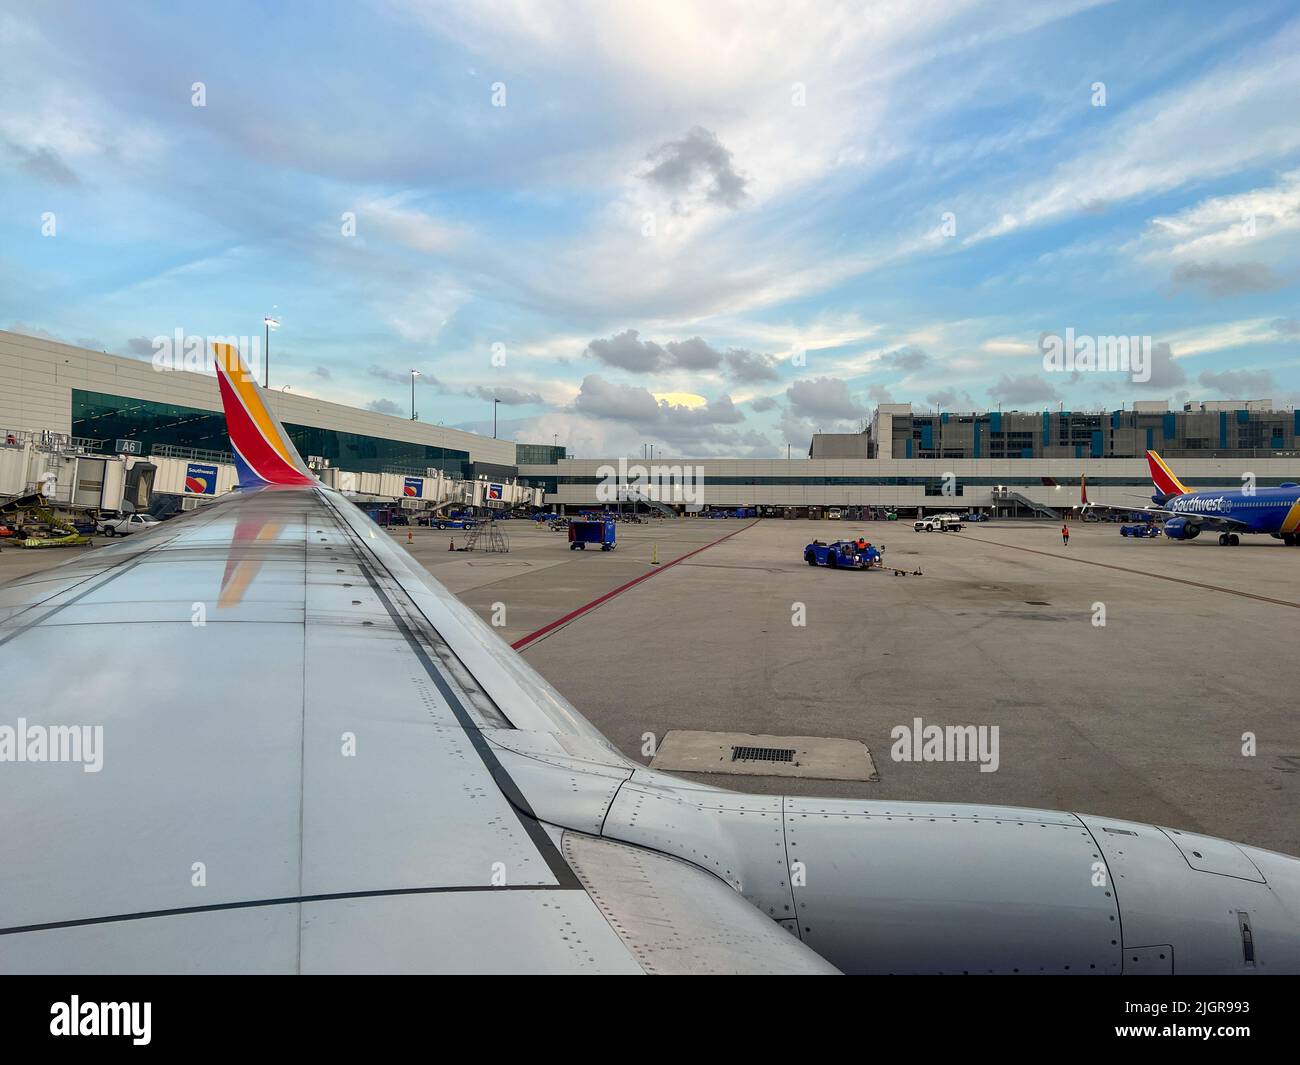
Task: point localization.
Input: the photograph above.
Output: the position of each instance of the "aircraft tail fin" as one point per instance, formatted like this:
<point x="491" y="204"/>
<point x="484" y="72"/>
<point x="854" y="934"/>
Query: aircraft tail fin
<point x="1163" y="477"/>
<point x="264" y="454"/>
<point x="1083" y="490"/>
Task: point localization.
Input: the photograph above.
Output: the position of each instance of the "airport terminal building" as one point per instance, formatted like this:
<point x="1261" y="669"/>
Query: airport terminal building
<point x="1015" y="463"/>
<point x="104" y="408"/>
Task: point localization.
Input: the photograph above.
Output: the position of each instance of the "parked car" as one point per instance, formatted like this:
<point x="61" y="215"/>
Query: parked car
<point x="834" y="514"/>
<point x="125" y="524"/>
<point x="1142" y="530"/>
<point x="974" y="515"/>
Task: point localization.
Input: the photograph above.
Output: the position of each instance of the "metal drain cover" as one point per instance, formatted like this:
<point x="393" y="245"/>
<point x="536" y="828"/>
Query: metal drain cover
<point x="762" y="754"/>
<point x="815" y="757"/>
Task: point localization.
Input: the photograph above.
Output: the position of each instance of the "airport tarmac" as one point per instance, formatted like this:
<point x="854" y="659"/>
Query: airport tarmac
<point x="1148" y="717"/>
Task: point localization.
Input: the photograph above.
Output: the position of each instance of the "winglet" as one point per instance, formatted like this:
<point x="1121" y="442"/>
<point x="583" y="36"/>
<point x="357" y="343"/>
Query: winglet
<point x="264" y="454"/>
<point x="1163" y="477"/>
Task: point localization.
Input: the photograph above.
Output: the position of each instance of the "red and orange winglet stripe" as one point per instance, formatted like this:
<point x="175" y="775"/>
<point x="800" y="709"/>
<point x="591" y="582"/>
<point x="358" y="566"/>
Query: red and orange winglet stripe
<point x="268" y="456"/>
<point x="1163" y="477"/>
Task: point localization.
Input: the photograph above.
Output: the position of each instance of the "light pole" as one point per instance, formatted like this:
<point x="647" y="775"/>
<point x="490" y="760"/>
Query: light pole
<point x="268" y="324"/>
<point x="495" y="403"/>
<point x="414" y="375"/>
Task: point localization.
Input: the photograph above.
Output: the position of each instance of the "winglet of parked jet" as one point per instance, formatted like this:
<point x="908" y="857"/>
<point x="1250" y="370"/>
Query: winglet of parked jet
<point x="1163" y="477"/>
<point x="264" y="454"/>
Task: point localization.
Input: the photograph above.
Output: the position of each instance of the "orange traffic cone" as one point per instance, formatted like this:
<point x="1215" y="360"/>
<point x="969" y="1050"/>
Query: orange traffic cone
<point x="410" y="535"/>
<point x="451" y="544"/>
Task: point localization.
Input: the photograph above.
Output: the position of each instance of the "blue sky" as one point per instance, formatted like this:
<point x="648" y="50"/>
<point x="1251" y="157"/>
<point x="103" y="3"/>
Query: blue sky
<point x="713" y="226"/>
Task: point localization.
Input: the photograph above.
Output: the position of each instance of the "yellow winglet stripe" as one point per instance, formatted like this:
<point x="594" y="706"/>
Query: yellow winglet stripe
<point x="252" y="401"/>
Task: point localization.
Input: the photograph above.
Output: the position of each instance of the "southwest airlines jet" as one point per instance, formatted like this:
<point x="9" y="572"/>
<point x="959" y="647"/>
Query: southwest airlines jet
<point x="310" y="757"/>
<point x="1230" y="512"/>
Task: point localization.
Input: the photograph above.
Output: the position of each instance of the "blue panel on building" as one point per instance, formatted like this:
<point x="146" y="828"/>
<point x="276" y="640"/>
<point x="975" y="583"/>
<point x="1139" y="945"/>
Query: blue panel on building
<point x="1276" y="442"/>
<point x="1116" y="419"/>
<point x="1078" y="451"/>
<point x="927" y="436"/>
<point x="1096" y="443"/>
<point x="1243" y="416"/>
<point x="909" y="449"/>
<point x="1026" y="452"/>
<point x="1047" y="428"/>
<point x="943" y="418"/>
<point x="1169" y="426"/>
<point x="1151" y="443"/>
<point x="1297" y="422"/>
<point x="995" y="422"/>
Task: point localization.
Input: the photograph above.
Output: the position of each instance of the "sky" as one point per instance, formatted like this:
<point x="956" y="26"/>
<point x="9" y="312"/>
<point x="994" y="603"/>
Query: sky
<point x="716" y="227"/>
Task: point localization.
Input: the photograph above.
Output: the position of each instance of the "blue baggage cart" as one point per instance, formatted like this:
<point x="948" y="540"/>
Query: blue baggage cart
<point x="584" y="532"/>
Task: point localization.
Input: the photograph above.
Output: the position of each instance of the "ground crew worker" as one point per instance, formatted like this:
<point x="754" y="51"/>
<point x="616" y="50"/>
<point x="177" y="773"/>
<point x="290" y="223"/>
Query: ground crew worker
<point x="1065" y="535"/>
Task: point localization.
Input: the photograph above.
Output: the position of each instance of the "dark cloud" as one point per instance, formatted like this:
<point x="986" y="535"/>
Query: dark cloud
<point x="384" y="406"/>
<point x="321" y="372"/>
<point x="751" y="366"/>
<point x="1239" y="384"/>
<point x="1027" y="388"/>
<point x="1165" y="372"/>
<point x="823" y="398"/>
<point x="1226" y="279"/>
<point x="763" y="403"/>
<point x="678" y="426"/>
<point x="44" y="164"/>
<point x="908" y="359"/>
<point x="697" y="164"/>
<point x="879" y="394"/>
<point x="1287" y="327"/>
<point x="608" y="399"/>
<point x="627" y="351"/>
<point x="140" y="346"/>
<point x="693" y="354"/>
<point x="511" y="397"/>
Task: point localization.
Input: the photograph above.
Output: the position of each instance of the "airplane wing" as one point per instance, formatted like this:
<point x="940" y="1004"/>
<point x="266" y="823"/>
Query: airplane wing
<point x="312" y="758"/>
<point x="296" y="752"/>
<point x="1210" y="521"/>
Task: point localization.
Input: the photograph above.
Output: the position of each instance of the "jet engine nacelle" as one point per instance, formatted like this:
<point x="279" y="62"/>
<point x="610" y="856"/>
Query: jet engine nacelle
<point x="1181" y="529"/>
<point x="875" y="886"/>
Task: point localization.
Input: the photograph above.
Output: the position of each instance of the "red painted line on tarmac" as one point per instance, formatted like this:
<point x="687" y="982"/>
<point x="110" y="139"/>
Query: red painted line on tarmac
<point x="524" y="641"/>
<point x="1138" y="572"/>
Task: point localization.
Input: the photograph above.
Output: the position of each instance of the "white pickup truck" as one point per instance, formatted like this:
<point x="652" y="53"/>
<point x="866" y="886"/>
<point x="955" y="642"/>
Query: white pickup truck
<point x="125" y="524"/>
<point x="938" y="523"/>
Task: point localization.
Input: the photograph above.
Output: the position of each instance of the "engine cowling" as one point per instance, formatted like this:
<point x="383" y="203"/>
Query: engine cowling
<point x="1182" y="529"/>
